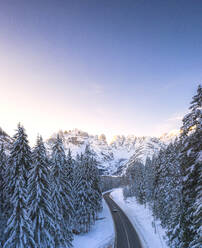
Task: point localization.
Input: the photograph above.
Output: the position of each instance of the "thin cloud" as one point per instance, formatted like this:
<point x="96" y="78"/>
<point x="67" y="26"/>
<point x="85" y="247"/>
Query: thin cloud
<point x="176" y="117"/>
<point x="93" y="89"/>
<point x="172" y="123"/>
<point x="97" y="89"/>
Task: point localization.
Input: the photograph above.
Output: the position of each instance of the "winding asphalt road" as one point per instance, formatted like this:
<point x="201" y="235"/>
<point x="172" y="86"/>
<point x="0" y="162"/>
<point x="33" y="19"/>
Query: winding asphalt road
<point x="126" y="236"/>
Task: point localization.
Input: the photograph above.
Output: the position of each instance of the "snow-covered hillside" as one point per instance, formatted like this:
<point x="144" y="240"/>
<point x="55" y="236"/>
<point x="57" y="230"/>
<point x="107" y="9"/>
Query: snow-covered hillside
<point x="112" y="157"/>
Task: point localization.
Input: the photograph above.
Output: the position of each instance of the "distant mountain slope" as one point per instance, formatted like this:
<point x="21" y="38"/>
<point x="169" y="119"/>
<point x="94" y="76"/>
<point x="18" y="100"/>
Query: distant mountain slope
<point x="114" y="156"/>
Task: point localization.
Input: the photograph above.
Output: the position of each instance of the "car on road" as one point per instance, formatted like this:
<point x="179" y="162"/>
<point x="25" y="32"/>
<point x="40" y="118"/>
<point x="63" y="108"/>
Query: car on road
<point x="115" y="210"/>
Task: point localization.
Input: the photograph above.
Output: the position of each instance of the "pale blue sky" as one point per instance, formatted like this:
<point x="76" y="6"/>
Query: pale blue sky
<point x="110" y="66"/>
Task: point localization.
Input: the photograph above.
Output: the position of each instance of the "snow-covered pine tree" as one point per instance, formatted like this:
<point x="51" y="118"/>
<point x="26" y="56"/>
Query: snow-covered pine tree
<point x="96" y="186"/>
<point x="165" y="185"/>
<point x="141" y="183"/>
<point x="92" y="176"/>
<point x="77" y="178"/>
<point x="149" y="180"/>
<point x="3" y="164"/>
<point x="138" y="186"/>
<point x="170" y="186"/>
<point x="67" y="182"/>
<point x="3" y="198"/>
<point x="166" y="193"/>
<point x="83" y="190"/>
<point x="40" y="202"/>
<point x="61" y="197"/>
<point x="69" y="172"/>
<point x="158" y="186"/>
<point x="70" y="168"/>
<point x="173" y="199"/>
<point x="136" y="178"/>
<point x="191" y="166"/>
<point x="18" y="232"/>
<point x="153" y="164"/>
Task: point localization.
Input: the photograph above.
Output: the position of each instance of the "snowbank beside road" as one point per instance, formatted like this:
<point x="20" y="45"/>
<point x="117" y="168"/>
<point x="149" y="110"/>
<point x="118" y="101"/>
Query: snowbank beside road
<point x="141" y="219"/>
<point x="101" y="234"/>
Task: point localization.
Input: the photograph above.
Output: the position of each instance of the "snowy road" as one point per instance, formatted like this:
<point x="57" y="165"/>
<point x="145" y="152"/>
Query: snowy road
<point x="126" y="236"/>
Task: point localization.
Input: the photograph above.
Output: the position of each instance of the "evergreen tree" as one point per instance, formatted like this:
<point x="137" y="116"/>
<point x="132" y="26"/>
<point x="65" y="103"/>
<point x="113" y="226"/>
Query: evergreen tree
<point x="40" y="202"/>
<point x="173" y="199"/>
<point x="87" y="191"/>
<point x="3" y="164"/>
<point x="3" y="197"/>
<point x="141" y="182"/>
<point x="92" y="176"/>
<point x="157" y="204"/>
<point x="70" y="168"/>
<point x="61" y="197"/>
<point x="149" y="180"/>
<point x="96" y="186"/>
<point x="69" y="181"/>
<point x="136" y="179"/>
<point x="83" y="203"/>
<point x="19" y="233"/>
<point x="191" y="167"/>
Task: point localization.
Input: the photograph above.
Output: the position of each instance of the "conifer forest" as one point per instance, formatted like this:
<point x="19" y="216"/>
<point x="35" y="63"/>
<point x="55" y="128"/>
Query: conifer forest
<point x="45" y="198"/>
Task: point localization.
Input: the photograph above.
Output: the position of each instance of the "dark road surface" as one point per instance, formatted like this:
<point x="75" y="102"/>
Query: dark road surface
<point x="126" y="236"/>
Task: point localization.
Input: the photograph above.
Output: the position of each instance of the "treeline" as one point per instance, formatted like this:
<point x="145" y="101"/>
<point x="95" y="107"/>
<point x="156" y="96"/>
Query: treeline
<point x="111" y="182"/>
<point x="171" y="182"/>
<point x="45" y="199"/>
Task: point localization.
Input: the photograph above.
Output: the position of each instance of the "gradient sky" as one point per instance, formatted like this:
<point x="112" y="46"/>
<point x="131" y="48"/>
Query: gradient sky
<point x="108" y="66"/>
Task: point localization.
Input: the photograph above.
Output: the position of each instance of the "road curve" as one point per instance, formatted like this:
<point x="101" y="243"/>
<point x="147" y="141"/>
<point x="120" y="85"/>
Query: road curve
<point x="126" y="236"/>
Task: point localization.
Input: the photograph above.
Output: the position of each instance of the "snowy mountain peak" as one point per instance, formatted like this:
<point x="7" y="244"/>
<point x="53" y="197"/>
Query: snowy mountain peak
<point x="113" y="156"/>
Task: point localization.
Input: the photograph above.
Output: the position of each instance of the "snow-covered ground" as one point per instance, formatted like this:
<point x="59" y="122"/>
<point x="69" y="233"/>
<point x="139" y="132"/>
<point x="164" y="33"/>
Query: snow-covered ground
<point x="142" y="220"/>
<point x="101" y="234"/>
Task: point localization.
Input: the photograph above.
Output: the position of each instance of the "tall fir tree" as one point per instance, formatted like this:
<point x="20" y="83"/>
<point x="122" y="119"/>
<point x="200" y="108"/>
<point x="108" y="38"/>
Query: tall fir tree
<point x="173" y="199"/>
<point x="3" y="165"/>
<point x="19" y="233"/>
<point x="191" y="167"/>
<point x="3" y="196"/>
<point x="96" y="186"/>
<point x="40" y="202"/>
<point x="77" y="178"/>
<point x="70" y="168"/>
<point x="83" y="204"/>
<point x="149" y="180"/>
<point x="92" y="176"/>
<point x="69" y="186"/>
<point x="61" y="196"/>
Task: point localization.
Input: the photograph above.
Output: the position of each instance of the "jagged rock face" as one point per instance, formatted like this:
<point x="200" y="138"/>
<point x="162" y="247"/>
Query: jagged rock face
<point x="112" y="157"/>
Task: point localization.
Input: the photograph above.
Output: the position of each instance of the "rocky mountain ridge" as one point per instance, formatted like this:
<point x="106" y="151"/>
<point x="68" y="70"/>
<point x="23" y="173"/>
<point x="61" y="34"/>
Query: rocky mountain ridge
<point x="112" y="157"/>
